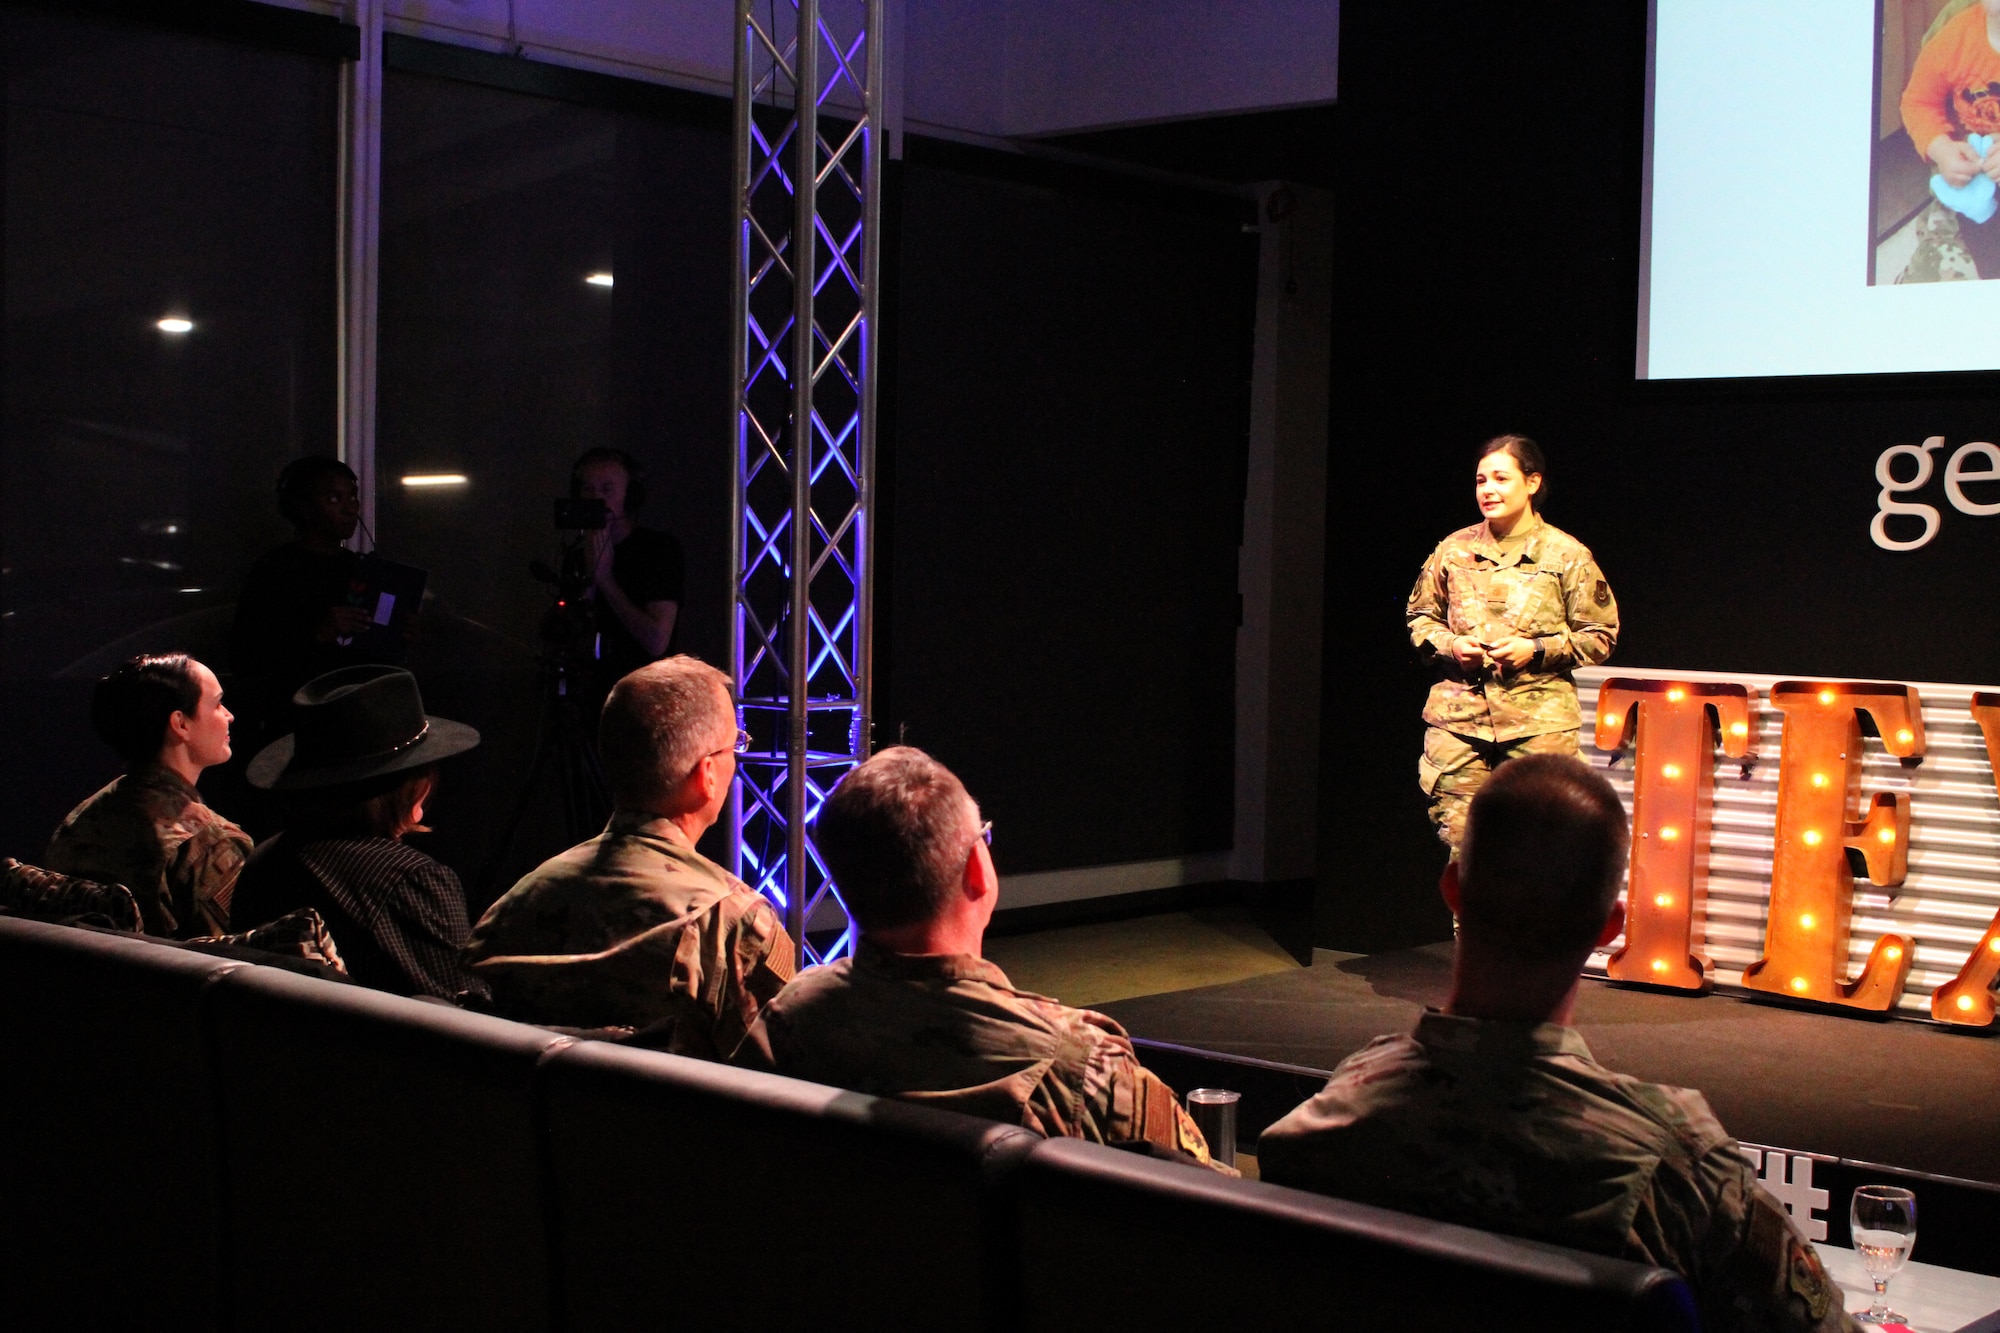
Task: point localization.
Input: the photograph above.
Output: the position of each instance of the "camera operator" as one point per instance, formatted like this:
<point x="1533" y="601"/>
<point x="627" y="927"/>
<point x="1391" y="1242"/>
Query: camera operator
<point x="634" y="576"/>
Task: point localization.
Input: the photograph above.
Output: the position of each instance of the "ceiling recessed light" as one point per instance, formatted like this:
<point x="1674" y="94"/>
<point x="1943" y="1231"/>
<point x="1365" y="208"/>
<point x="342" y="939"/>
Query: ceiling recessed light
<point x="434" y="479"/>
<point x="599" y="279"/>
<point x="174" y="324"/>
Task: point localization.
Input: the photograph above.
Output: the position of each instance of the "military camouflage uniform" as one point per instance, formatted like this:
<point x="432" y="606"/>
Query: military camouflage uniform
<point x="635" y="929"/>
<point x="949" y="1030"/>
<point x="150" y="832"/>
<point x="1512" y="1127"/>
<point x="1540" y="584"/>
<point x="1940" y="255"/>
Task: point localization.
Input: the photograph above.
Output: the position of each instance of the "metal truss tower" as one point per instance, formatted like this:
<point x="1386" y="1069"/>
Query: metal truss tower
<point x="808" y="203"/>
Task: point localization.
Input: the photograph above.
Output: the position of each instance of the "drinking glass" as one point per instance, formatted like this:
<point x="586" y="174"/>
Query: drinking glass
<point x="1884" y="1221"/>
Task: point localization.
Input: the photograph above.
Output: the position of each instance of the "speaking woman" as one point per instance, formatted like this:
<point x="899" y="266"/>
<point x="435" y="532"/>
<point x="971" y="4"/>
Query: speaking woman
<point x="1506" y="609"/>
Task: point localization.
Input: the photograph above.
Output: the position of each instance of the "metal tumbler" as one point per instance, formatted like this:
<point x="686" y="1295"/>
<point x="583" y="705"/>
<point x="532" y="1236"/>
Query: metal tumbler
<point x="1214" y="1112"/>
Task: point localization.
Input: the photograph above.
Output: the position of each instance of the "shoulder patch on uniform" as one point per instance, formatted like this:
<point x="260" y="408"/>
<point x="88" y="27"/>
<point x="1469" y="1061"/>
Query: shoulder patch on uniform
<point x="1809" y="1281"/>
<point x="1603" y="594"/>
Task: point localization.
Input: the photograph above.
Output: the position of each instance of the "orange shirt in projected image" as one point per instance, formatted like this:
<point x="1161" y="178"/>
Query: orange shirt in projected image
<point x="1955" y="87"/>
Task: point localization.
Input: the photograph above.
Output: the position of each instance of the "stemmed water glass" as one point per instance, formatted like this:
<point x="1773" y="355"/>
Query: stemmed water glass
<point x="1884" y="1222"/>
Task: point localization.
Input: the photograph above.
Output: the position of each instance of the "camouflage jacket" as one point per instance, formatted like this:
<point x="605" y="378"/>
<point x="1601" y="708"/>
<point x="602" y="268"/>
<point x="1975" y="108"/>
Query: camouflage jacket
<point x="1512" y="1127"/>
<point x="634" y="929"/>
<point x="1546" y="588"/>
<point x="149" y="831"/>
<point x="949" y="1030"/>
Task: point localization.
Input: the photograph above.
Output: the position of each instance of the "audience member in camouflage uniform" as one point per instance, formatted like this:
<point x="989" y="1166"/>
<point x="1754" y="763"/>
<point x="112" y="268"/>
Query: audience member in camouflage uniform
<point x="149" y="830"/>
<point x="1493" y="1114"/>
<point x="635" y="928"/>
<point x="1507" y="609"/>
<point x="916" y="1013"/>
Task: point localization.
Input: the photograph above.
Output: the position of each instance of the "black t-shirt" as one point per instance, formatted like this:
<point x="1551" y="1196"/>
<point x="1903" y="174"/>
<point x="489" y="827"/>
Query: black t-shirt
<point x="272" y="648"/>
<point x="647" y="567"/>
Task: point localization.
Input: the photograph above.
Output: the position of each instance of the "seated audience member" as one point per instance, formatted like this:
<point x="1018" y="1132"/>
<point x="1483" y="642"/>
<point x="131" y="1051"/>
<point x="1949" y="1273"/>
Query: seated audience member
<point x="356" y="773"/>
<point x="916" y="1013"/>
<point x="1493" y="1114"/>
<point x="636" y="928"/>
<point x="149" y="830"/>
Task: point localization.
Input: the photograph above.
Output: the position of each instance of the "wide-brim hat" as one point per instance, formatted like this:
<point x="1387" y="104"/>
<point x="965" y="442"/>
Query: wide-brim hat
<point x="353" y="724"/>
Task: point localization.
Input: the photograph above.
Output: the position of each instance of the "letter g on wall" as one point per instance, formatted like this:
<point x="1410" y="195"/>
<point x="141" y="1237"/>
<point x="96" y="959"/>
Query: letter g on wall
<point x="1888" y="507"/>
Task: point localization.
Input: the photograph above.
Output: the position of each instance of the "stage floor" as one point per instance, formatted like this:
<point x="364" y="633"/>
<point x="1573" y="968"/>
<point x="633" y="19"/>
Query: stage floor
<point x="1899" y="1093"/>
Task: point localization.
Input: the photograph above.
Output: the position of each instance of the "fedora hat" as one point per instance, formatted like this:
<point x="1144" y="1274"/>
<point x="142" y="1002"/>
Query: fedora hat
<point x="356" y="723"/>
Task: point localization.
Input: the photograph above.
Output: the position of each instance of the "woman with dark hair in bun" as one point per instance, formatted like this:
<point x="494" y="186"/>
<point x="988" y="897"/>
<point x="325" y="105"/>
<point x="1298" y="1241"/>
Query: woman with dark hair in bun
<point x="1506" y="609"/>
<point x="149" y="829"/>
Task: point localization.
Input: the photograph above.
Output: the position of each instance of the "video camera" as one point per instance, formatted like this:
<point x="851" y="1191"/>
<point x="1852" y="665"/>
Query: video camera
<point x="568" y="625"/>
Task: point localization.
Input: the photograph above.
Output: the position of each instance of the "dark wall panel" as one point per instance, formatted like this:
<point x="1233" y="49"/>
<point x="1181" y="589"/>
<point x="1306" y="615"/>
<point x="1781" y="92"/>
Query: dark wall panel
<point x="1064" y="493"/>
<point x="1731" y="518"/>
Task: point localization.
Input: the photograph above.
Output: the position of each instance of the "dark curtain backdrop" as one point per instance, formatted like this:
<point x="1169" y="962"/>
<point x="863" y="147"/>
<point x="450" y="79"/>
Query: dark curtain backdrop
<point x="1731" y="518"/>
<point x="1064" y="494"/>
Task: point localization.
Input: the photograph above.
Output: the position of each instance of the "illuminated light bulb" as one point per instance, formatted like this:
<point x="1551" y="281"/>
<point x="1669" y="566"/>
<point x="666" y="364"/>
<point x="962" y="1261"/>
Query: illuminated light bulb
<point x="1893" y="952"/>
<point x="1671" y="771"/>
<point x="174" y="324"/>
<point x="1669" y="834"/>
<point x="1826" y="696"/>
<point x="1886" y="836"/>
<point x="1667" y="900"/>
<point x="422" y="479"/>
<point x="1676" y="694"/>
<point x="1819" y="779"/>
<point x="1739" y="729"/>
<point x="1994" y="945"/>
<point x="1905" y="736"/>
<point x="1659" y="964"/>
<point x="599" y="279"/>
<point x="1806" y="920"/>
<point x="1965" y="1002"/>
<point x="1812" y="837"/>
<point x="1799" y="984"/>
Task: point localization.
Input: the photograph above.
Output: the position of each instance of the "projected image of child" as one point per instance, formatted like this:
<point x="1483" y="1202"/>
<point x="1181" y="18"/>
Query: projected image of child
<point x="1951" y="111"/>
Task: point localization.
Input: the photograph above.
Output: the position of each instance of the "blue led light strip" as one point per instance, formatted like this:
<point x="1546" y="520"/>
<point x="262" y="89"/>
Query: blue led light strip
<point x="807" y="165"/>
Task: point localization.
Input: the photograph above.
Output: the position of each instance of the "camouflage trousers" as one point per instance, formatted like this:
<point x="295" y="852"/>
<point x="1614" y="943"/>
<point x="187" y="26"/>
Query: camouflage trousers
<point x="1453" y="768"/>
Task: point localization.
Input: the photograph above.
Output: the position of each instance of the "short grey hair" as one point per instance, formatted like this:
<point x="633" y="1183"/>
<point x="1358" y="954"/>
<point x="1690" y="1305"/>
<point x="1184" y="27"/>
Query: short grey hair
<point x="895" y="834"/>
<point x="658" y="723"/>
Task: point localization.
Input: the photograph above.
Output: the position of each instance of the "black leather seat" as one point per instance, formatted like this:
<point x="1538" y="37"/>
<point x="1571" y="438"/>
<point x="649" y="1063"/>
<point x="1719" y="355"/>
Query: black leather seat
<point x="383" y="1161"/>
<point x="708" y="1197"/>
<point x="108" y="1208"/>
<point x="1111" y="1240"/>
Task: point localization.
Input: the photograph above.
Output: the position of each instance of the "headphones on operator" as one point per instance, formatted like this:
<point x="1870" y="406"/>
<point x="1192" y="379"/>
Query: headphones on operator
<point x="296" y="482"/>
<point x="635" y="476"/>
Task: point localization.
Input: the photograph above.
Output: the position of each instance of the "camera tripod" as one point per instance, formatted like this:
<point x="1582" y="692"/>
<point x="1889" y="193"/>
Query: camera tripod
<point x="563" y="750"/>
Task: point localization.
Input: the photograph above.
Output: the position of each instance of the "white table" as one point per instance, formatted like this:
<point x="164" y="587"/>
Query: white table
<point x="1936" y="1300"/>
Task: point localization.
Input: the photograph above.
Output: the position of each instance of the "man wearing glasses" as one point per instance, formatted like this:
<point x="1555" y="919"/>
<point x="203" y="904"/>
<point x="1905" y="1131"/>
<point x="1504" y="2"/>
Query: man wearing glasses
<point x="917" y="1013"/>
<point x="635" y="928"/>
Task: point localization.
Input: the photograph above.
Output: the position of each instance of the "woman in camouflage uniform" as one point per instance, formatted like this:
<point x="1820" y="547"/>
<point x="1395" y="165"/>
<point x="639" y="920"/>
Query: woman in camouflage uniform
<point x="1506" y="608"/>
<point x="149" y="829"/>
